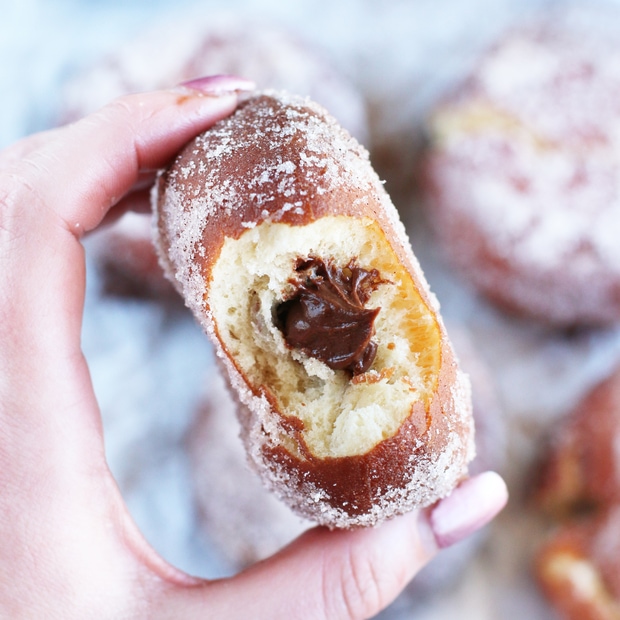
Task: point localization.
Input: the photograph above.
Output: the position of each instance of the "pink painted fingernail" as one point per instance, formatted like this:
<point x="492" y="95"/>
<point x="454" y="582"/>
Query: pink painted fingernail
<point x="219" y="84"/>
<point x="470" y="506"/>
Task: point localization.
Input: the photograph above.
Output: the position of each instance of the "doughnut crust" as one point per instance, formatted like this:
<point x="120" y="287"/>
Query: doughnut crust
<point x="273" y="213"/>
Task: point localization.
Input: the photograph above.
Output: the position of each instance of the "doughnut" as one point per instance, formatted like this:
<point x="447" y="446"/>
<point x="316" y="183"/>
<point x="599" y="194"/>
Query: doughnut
<point x="197" y="45"/>
<point x="126" y="259"/>
<point x="582" y="467"/>
<point x="522" y="172"/>
<point x="282" y="241"/>
<point x="246" y="523"/>
<point x="579" y="568"/>
<point x="271" y="56"/>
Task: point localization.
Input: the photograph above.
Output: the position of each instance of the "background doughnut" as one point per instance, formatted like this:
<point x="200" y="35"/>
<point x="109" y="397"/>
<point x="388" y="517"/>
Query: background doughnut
<point x="522" y="173"/>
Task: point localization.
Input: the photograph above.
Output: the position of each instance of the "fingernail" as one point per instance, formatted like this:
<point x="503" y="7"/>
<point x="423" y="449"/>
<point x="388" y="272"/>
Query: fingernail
<point x="470" y="506"/>
<point x="219" y="84"/>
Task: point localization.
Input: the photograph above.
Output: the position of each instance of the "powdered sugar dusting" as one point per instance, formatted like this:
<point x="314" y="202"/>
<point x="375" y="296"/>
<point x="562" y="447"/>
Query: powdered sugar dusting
<point x="529" y="154"/>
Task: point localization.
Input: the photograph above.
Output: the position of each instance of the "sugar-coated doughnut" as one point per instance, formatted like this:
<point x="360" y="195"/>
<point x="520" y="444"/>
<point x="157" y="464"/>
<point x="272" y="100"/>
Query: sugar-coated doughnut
<point x="578" y="567"/>
<point x="284" y="244"/>
<point x="246" y="523"/>
<point x="173" y="50"/>
<point x="126" y="259"/>
<point x="523" y="171"/>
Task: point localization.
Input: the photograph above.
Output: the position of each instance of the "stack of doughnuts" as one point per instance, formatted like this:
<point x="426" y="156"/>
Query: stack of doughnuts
<point x="579" y="566"/>
<point x="523" y="171"/>
<point x="195" y="47"/>
<point x="282" y="241"/>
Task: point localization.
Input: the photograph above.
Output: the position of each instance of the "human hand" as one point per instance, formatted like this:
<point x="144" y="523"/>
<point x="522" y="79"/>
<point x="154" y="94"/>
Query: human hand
<point x="68" y="547"/>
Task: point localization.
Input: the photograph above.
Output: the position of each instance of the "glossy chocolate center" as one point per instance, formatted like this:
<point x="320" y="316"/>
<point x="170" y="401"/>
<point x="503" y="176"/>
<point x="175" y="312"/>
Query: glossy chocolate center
<point x="326" y="318"/>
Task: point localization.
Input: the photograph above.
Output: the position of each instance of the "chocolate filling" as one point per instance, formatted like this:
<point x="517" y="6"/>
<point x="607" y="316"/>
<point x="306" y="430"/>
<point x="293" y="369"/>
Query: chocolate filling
<point x="325" y="317"/>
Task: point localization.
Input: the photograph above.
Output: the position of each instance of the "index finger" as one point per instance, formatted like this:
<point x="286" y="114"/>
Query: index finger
<point x="86" y="167"/>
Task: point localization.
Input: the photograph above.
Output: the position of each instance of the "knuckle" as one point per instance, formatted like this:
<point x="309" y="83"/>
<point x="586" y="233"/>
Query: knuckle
<point x="125" y="111"/>
<point x="14" y="193"/>
<point x="119" y="107"/>
<point x="353" y="588"/>
<point x="118" y="114"/>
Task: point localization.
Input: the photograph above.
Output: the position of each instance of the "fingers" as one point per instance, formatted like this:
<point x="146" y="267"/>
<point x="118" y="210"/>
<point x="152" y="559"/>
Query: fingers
<point x="83" y="169"/>
<point x="58" y="184"/>
<point x="52" y="186"/>
<point x="344" y="574"/>
<point x="27" y="145"/>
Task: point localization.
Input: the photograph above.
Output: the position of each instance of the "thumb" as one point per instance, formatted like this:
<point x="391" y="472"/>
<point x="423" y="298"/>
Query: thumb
<point x="345" y="574"/>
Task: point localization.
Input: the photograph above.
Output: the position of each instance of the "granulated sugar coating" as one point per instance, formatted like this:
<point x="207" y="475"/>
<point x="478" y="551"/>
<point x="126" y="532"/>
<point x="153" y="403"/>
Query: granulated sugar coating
<point x="273" y="185"/>
<point x="524" y="173"/>
<point x="331" y="159"/>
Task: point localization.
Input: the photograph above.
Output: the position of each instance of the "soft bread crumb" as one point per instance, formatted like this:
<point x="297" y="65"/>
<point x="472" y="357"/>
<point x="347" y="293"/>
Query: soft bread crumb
<point x="341" y="418"/>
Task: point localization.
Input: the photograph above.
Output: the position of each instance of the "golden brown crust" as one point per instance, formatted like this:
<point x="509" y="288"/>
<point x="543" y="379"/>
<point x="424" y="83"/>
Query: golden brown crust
<point x="388" y="465"/>
<point x="321" y="196"/>
<point x="283" y="160"/>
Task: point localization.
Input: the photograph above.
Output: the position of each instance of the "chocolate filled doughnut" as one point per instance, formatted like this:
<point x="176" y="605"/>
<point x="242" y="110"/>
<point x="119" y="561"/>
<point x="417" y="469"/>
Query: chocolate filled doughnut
<point x="282" y="241"/>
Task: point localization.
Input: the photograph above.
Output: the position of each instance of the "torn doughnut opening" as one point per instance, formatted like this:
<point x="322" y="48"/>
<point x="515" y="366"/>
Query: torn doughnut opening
<point x="342" y="410"/>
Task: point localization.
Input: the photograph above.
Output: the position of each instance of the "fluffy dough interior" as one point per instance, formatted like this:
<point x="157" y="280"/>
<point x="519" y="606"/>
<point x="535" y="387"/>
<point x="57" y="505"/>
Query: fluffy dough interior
<point x="341" y="415"/>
